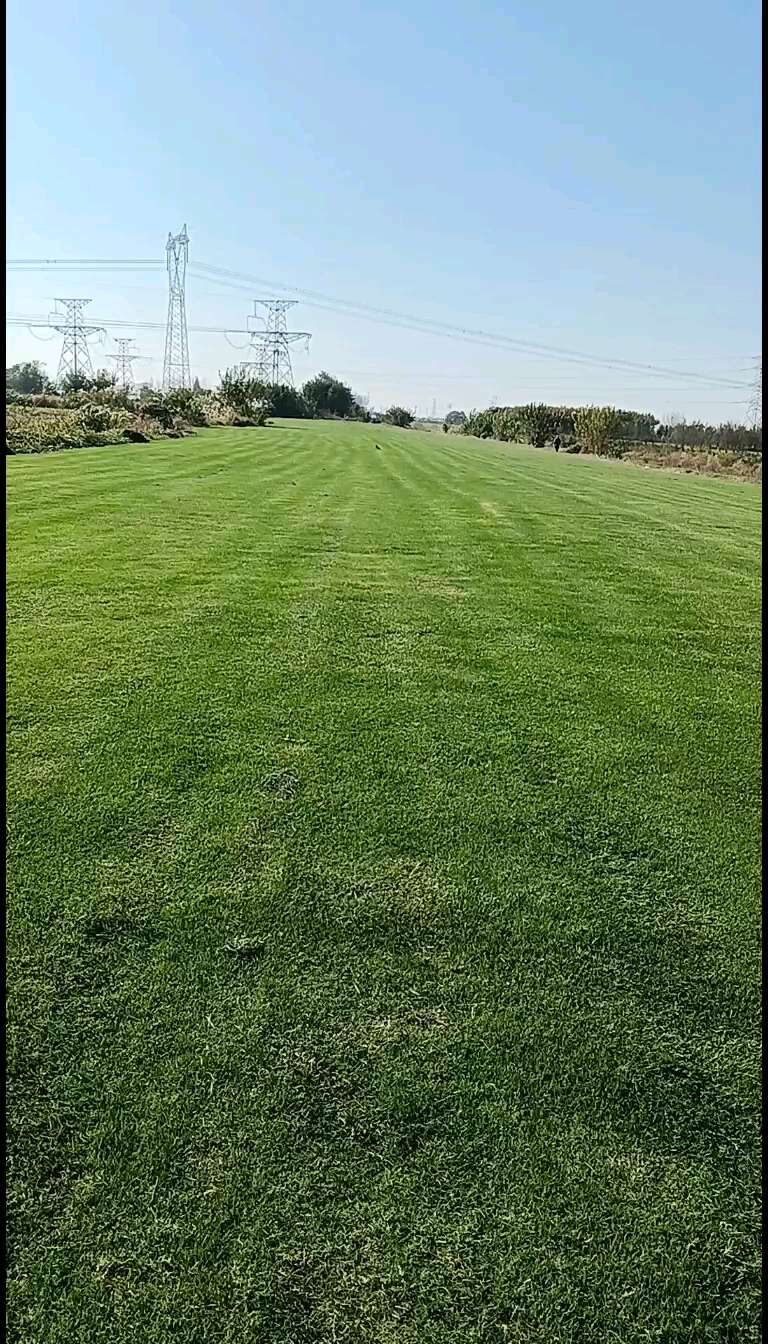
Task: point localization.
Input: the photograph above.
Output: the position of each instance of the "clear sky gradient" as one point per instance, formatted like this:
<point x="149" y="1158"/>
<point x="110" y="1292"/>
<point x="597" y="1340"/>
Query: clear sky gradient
<point x="583" y="176"/>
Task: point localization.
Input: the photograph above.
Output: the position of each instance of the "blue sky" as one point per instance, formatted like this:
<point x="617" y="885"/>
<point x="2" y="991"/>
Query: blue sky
<point x="579" y="176"/>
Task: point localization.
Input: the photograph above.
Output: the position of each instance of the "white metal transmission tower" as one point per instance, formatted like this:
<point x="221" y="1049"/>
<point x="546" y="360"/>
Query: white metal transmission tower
<point x="75" y="358"/>
<point x="123" y="361"/>
<point x="176" y="361"/>
<point x="270" y="345"/>
<point x="755" y="410"/>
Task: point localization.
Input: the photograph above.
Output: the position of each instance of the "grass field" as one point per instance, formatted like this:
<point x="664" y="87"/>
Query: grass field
<point x="383" y="941"/>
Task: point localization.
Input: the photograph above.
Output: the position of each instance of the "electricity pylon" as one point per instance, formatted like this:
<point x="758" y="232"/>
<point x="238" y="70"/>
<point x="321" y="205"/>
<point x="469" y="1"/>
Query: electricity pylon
<point x="270" y="345"/>
<point x="124" y="362"/>
<point x="75" y="355"/>
<point x="176" y="361"/>
<point x="755" y="409"/>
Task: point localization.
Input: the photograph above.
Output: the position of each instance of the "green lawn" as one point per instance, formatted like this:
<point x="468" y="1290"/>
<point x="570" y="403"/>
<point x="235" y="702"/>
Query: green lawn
<point x="383" y="940"/>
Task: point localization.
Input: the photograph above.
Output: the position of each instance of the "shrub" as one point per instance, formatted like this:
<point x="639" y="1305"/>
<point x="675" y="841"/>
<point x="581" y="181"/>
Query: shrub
<point x="93" y="396"/>
<point x="737" y="465"/>
<point x="479" y="424"/>
<point x="398" y="415"/>
<point x="213" y="410"/>
<point x="328" y="396"/>
<point x="240" y="392"/>
<point x="95" y="418"/>
<point x="596" y="427"/>
<point x="178" y="400"/>
<point x="26" y="379"/>
<point x="537" y="423"/>
<point x="195" y="412"/>
<point x="185" y="404"/>
<point x="505" y="425"/>
<point x="157" y="410"/>
<point x="358" y="411"/>
<point x="36" y="430"/>
<point x="285" y="401"/>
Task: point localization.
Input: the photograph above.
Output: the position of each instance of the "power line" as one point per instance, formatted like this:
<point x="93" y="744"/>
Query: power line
<point x="240" y="280"/>
<point x="14" y="320"/>
<point x="115" y="264"/>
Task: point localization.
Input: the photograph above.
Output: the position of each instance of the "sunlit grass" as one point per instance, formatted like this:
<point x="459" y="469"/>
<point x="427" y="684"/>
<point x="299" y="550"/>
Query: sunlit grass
<point x="383" y="915"/>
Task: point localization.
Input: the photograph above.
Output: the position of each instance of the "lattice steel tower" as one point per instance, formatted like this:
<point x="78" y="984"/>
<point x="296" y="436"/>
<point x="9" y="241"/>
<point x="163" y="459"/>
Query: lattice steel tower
<point x="176" y="361"/>
<point x="75" y="355"/>
<point x="271" y="344"/>
<point x="124" y="362"/>
<point x="755" y="410"/>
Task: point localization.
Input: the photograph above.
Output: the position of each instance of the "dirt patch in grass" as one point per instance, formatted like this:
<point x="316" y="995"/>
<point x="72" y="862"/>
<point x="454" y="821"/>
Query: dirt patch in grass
<point x="440" y="587"/>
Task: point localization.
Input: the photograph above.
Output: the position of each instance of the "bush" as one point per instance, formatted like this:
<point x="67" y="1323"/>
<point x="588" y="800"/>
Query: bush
<point x="479" y="424"/>
<point x="39" y="429"/>
<point x="186" y="405"/>
<point x="505" y="425"/>
<point x="360" y="412"/>
<point x="105" y="396"/>
<point x="76" y="382"/>
<point x="158" y="411"/>
<point x="537" y="423"/>
<point x="96" y="418"/>
<point x="596" y="427"/>
<point x="397" y="415"/>
<point x="285" y="401"/>
<point x="240" y="392"/>
<point x="26" y="379"/>
<point x="195" y="412"/>
<point x="178" y="400"/>
<point x="744" y="466"/>
<point x="328" y="396"/>
<point x="213" y="409"/>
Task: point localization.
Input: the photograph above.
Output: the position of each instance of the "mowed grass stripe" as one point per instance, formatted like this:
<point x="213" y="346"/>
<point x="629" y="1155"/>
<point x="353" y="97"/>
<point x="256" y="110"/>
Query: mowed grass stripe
<point x="383" y="922"/>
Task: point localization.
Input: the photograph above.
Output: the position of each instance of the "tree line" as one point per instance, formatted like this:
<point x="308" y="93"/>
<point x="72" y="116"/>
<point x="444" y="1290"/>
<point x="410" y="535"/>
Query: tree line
<point x="600" y="429"/>
<point x="247" y="397"/>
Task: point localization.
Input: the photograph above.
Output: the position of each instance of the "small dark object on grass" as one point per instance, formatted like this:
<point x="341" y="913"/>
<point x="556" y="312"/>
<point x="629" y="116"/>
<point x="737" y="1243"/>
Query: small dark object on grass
<point x="283" y="783"/>
<point x="245" y="948"/>
<point x="557" y="443"/>
<point x="105" y="927"/>
<point x="135" y="436"/>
